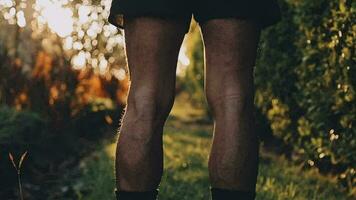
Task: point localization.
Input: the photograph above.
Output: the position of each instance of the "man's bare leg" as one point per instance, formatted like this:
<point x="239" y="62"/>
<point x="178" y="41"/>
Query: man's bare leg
<point x="152" y="47"/>
<point x="230" y="47"/>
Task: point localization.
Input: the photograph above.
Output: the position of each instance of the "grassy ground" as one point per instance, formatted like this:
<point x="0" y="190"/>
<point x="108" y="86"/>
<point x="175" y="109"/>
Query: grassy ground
<point x="186" y="146"/>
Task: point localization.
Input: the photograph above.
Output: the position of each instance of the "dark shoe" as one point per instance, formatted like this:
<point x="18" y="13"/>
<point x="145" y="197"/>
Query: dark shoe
<point x="131" y="195"/>
<point x="226" y="194"/>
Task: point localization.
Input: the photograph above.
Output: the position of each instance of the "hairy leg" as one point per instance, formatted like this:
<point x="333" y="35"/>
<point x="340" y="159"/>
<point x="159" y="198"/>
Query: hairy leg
<point x="230" y="53"/>
<point x="152" y="47"/>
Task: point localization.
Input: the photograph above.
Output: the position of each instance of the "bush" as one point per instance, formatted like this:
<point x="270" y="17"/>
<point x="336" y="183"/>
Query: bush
<point x="51" y="152"/>
<point x="19" y="131"/>
<point x="305" y="84"/>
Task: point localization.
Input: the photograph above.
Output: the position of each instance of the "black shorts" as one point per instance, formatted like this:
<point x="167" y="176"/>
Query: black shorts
<point x="264" y="12"/>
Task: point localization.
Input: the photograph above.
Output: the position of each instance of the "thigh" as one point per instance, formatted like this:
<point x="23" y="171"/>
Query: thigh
<point x="230" y="53"/>
<point x="152" y="45"/>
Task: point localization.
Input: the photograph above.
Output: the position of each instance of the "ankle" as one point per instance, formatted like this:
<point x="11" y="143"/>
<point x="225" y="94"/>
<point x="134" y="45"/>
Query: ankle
<point x="227" y="194"/>
<point x="136" y="195"/>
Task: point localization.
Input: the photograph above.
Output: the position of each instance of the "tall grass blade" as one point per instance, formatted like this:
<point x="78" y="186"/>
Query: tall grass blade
<point x="22" y="159"/>
<point x="12" y="160"/>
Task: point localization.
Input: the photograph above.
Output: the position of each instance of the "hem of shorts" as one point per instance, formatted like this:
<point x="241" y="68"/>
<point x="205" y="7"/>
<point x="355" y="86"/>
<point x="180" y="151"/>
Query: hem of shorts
<point x="112" y="19"/>
<point x="138" y="13"/>
<point x="263" y="24"/>
<point x="262" y="21"/>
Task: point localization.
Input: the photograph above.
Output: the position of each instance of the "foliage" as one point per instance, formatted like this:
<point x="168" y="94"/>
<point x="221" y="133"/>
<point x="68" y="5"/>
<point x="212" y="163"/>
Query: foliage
<point x="13" y="124"/>
<point x="53" y="104"/>
<point x="193" y="79"/>
<point x="306" y="84"/>
<point x="52" y="151"/>
<point x="19" y="131"/>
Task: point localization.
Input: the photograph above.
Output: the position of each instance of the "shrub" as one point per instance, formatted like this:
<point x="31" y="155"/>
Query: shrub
<point x="19" y="131"/>
<point x="306" y="84"/>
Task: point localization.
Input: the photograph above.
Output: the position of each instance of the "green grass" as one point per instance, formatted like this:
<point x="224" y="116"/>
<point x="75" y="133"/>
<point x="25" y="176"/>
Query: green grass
<point x="186" y="149"/>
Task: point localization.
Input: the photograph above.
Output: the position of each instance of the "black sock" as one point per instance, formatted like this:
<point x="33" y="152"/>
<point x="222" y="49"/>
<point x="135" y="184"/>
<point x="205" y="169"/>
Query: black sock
<point x="132" y="195"/>
<point x="227" y="194"/>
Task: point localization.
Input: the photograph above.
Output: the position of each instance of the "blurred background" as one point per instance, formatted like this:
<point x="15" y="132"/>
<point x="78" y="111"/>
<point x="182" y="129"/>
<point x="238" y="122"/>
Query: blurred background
<point x="63" y="87"/>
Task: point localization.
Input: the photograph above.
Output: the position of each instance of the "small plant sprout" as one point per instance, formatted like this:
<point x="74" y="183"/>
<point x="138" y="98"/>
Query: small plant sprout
<point x="18" y="170"/>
